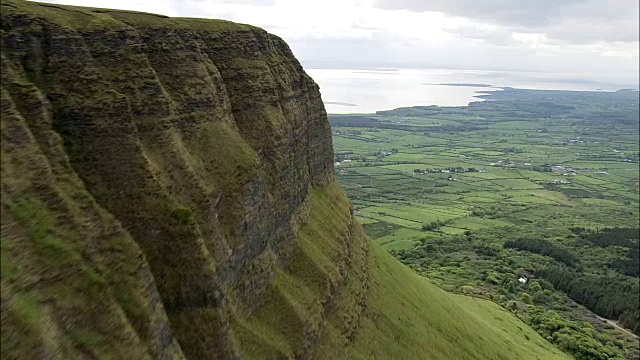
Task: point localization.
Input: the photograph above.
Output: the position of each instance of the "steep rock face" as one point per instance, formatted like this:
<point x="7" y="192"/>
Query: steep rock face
<point x="167" y="192"/>
<point x="74" y="283"/>
<point x="202" y="138"/>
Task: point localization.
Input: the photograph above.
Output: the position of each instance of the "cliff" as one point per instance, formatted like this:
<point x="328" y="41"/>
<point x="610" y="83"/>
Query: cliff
<point x="168" y="193"/>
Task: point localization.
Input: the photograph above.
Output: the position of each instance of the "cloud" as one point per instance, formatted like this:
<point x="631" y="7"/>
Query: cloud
<point x="540" y="35"/>
<point x="487" y="34"/>
<point x="567" y="20"/>
<point x="247" y="2"/>
<point x="518" y="12"/>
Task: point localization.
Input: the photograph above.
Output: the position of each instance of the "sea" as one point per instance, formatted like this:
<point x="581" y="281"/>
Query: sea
<point x="369" y="90"/>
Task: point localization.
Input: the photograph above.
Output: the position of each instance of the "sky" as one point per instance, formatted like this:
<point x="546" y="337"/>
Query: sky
<point x="580" y="36"/>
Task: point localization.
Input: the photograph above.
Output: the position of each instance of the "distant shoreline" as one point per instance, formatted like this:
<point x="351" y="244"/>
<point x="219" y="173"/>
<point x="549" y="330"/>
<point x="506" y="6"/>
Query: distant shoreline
<point x="339" y="103"/>
<point x="463" y="84"/>
<point x="378" y="89"/>
<point x="485" y="95"/>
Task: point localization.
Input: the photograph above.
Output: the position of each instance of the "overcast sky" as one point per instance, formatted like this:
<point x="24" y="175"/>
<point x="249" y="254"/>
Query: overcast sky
<point x="534" y="35"/>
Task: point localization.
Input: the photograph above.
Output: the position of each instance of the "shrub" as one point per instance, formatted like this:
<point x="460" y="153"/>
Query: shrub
<point x="181" y="215"/>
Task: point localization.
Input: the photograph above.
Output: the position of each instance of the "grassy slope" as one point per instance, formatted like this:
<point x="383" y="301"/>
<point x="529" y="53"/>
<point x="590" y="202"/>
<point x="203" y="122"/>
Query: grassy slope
<point x="323" y="283"/>
<point x="405" y="316"/>
<point x="411" y="318"/>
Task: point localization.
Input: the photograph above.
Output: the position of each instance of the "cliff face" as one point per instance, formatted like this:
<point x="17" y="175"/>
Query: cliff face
<point x="168" y="193"/>
<point x="195" y="143"/>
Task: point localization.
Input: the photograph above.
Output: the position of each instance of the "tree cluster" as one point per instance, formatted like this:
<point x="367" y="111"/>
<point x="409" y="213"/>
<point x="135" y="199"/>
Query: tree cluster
<point x="543" y="247"/>
<point x="613" y="297"/>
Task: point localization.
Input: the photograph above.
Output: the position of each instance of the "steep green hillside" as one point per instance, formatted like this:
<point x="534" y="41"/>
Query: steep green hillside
<point x="168" y="193"/>
<point x="398" y="315"/>
<point x="411" y="318"/>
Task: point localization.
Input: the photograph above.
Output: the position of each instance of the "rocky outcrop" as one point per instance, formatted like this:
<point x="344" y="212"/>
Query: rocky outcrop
<point x="173" y="159"/>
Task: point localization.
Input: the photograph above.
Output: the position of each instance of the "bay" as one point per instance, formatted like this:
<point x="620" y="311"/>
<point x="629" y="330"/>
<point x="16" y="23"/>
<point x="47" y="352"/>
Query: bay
<point x="370" y="90"/>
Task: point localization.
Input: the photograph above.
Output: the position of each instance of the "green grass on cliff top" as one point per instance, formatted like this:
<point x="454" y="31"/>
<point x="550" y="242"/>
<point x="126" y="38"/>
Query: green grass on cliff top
<point x="79" y="17"/>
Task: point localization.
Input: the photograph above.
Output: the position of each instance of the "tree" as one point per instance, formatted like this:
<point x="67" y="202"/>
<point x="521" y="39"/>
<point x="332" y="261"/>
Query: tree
<point x="534" y="286"/>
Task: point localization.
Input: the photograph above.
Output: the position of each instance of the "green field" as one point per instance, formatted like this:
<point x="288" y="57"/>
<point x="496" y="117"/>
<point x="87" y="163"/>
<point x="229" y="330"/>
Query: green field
<point x="540" y="161"/>
<point x="534" y="163"/>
